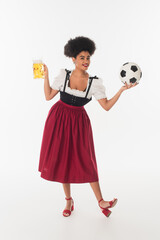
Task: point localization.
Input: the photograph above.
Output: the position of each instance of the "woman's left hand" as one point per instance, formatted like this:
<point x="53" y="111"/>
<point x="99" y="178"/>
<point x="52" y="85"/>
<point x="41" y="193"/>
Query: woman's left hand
<point x="126" y="86"/>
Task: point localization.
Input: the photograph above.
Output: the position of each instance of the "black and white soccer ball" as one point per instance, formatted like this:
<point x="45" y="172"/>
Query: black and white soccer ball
<point x="130" y="73"/>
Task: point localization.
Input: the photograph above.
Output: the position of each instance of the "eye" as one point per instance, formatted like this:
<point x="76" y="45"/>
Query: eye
<point x="87" y="58"/>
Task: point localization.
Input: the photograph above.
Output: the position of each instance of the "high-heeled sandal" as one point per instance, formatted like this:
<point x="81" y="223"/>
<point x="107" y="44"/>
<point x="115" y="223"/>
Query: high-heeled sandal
<point x="68" y="211"/>
<point x="106" y="211"/>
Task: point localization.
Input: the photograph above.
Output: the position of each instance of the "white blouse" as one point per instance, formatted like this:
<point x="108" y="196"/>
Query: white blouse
<point x="97" y="88"/>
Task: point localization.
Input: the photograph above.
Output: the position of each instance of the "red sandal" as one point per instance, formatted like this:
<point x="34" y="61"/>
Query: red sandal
<point x="106" y="211"/>
<point x="68" y="211"/>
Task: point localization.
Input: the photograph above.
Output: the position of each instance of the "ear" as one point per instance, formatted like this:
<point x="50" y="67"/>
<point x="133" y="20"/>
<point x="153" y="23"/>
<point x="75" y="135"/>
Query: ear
<point x="73" y="59"/>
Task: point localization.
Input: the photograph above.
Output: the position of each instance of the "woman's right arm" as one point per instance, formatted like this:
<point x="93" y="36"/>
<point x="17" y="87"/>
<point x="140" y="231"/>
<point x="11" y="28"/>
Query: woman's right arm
<point x="49" y="92"/>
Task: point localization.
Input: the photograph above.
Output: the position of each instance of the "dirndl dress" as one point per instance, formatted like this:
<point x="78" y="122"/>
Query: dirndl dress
<point x="67" y="152"/>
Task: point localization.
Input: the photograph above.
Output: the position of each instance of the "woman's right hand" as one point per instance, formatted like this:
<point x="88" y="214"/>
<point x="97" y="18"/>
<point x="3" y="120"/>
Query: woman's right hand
<point x="45" y="70"/>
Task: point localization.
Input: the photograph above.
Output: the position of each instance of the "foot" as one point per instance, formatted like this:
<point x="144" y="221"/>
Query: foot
<point x="68" y="206"/>
<point x="104" y="204"/>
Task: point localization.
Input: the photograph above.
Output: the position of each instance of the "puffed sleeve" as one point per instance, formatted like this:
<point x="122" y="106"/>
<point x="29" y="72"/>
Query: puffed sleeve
<point x="98" y="89"/>
<point x="59" y="79"/>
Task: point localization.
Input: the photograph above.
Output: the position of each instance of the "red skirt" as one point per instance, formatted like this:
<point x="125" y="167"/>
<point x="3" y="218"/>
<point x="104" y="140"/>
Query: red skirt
<point x="67" y="152"/>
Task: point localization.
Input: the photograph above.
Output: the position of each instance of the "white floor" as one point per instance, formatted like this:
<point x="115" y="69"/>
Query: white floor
<point x="34" y="212"/>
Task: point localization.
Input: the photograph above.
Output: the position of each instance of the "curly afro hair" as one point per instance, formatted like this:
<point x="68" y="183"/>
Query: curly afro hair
<point x="78" y="44"/>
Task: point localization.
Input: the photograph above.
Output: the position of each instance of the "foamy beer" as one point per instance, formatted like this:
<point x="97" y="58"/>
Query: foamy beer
<point x="38" y="69"/>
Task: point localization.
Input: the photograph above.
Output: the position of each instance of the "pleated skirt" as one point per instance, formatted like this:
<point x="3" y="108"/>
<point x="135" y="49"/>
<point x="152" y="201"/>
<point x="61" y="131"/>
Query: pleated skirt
<point x="67" y="153"/>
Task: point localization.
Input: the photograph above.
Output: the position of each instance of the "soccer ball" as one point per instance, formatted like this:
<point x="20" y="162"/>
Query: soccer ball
<point x="130" y="73"/>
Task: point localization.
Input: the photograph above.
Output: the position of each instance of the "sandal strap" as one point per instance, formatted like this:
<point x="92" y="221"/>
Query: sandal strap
<point x="112" y="201"/>
<point x="68" y="198"/>
<point x="67" y="211"/>
<point x="100" y="200"/>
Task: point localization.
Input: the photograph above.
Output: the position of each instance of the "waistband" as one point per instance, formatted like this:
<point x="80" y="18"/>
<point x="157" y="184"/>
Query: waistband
<point x="71" y="106"/>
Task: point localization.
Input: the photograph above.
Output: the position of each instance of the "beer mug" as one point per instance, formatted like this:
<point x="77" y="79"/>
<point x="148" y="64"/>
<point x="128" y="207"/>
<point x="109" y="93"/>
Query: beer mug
<point x="38" y="69"/>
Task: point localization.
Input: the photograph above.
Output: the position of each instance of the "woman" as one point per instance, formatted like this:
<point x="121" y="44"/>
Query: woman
<point x="67" y="151"/>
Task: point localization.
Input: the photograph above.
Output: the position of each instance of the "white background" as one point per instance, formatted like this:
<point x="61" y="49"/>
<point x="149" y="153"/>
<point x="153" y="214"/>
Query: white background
<point x="126" y="137"/>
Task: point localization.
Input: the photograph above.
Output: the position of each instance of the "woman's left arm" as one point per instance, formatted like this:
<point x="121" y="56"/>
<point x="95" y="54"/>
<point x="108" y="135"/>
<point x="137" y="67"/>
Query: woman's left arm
<point x="108" y="104"/>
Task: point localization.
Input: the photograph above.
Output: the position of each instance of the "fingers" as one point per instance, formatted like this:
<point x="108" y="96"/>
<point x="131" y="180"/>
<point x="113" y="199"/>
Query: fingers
<point x="127" y="86"/>
<point x="45" y="67"/>
<point x="130" y="85"/>
<point x="134" y="84"/>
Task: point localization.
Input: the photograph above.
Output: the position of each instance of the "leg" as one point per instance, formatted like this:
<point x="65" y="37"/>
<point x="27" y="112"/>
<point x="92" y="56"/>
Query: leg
<point x="67" y="191"/>
<point x="97" y="191"/>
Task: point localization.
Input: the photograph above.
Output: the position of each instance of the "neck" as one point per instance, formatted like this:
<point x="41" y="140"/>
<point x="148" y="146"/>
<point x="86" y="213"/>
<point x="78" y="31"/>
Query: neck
<point x="80" y="72"/>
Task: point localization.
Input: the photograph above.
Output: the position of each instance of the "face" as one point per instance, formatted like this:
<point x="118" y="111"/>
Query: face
<point x="82" y="60"/>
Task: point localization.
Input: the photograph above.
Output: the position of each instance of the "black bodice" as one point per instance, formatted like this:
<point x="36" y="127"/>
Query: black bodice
<point x="72" y="99"/>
